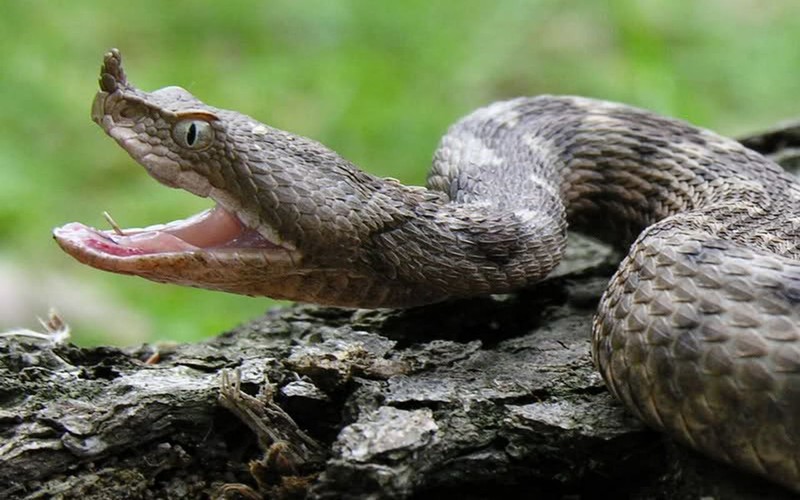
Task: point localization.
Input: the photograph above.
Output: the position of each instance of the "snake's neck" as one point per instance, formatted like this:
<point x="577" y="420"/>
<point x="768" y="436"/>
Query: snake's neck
<point x="402" y="246"/>
<point x="449" y="248"/>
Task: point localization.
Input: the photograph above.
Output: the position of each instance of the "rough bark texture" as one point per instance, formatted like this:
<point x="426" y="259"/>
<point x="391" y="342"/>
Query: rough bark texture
<point x="491" y="397"/>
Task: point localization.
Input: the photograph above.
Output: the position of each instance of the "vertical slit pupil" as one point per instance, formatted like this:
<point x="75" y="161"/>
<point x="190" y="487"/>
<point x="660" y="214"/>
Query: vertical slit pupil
<point x="191" y="134"/>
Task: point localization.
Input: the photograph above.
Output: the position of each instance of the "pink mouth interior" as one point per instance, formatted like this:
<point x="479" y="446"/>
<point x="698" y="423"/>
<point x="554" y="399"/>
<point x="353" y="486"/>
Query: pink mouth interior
<point x="211" y="229"/>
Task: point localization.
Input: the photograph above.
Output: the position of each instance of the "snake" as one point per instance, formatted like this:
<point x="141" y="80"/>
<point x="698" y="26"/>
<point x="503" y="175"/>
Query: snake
<point x="696" y="334"/>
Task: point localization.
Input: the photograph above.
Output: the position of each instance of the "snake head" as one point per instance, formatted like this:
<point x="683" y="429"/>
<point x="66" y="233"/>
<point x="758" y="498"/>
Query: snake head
<point x="279" y="226"/>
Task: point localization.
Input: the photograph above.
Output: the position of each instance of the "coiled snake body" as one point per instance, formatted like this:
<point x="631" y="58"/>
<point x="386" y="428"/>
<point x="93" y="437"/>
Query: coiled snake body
<point x="697" y="332"/>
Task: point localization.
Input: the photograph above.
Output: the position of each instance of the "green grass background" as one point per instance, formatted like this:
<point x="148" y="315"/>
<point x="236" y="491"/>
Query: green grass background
<point x="377" y="81"/>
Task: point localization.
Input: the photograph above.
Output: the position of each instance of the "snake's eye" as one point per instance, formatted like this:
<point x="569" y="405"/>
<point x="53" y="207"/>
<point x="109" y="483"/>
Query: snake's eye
<point x="193" y="134"/>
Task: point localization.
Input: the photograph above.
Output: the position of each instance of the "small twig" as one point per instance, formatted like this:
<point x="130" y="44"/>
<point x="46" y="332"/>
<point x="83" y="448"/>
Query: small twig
<point x="117" y="229"/>
<point x="268" y="421"/>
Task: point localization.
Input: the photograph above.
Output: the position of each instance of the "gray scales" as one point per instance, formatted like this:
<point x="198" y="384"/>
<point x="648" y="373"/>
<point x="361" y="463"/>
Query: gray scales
<point x="697" y="333"/>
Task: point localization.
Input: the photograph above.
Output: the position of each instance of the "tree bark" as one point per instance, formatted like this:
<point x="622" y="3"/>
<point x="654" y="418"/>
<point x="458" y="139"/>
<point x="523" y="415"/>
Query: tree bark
<point x="481" y="398"/>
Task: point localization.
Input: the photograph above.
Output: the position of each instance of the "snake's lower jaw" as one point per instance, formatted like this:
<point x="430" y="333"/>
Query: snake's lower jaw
<point x="232" y="259"/>
<point x="193" y="251"/>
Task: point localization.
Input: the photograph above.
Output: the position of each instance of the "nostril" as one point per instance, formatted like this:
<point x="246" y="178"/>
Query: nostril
<point x="131" y="111"/>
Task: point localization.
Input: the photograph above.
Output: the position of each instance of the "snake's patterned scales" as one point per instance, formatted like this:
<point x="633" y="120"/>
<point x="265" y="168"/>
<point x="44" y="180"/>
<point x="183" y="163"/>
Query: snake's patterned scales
<point x="697" y="332"/>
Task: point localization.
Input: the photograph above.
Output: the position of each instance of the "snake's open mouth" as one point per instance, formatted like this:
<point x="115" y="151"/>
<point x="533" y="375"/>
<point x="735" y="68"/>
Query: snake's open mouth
<point x="213" y="229"/>
<point x="192" y="250"/>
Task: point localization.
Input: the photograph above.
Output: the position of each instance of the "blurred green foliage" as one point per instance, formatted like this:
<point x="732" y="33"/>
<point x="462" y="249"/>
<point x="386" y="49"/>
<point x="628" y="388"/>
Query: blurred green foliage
<point x="377" y="81"/>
